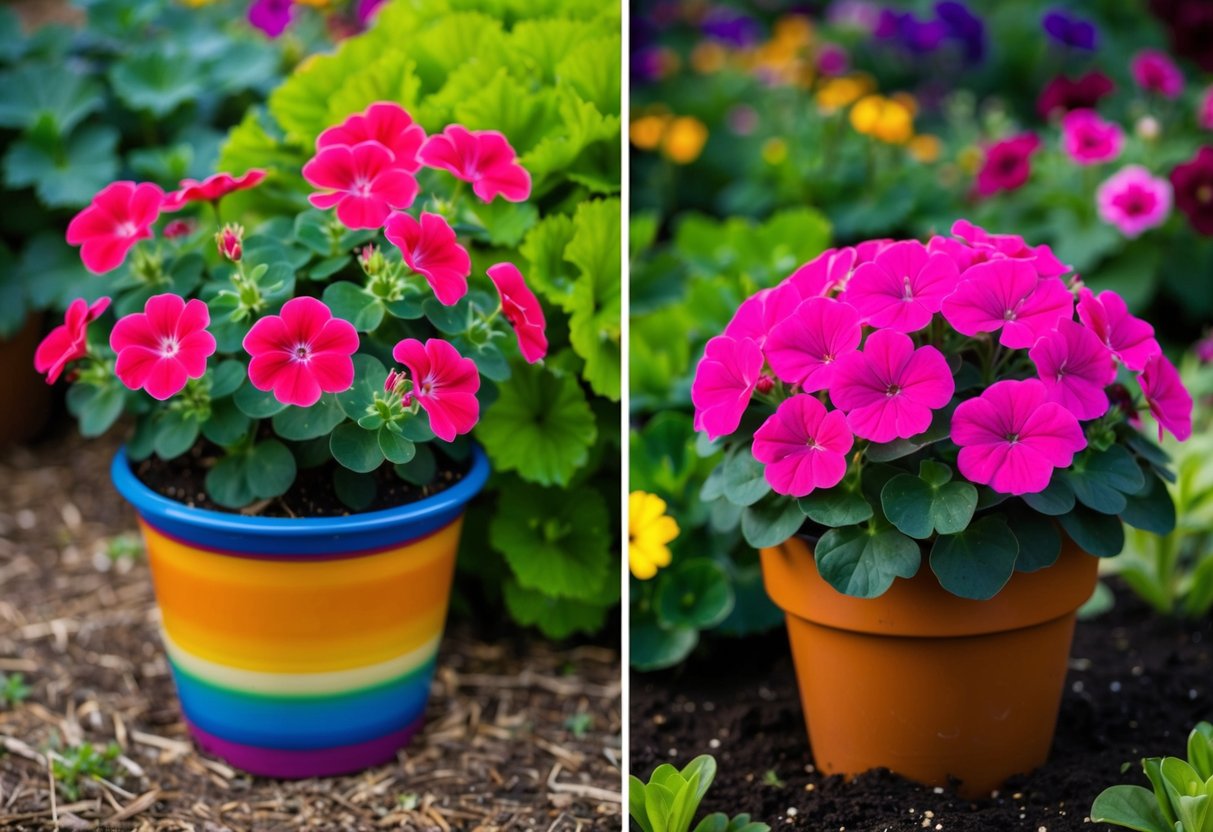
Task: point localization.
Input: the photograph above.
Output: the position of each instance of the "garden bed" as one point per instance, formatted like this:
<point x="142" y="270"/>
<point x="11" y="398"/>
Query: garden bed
<point x="1137" y="684"/>
<point x="519" y="734"/>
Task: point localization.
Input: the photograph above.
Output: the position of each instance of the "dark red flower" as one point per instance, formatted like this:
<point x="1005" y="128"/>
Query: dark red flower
<point x="1063" y="94"/>
<point x="1190" y="25"/>
<point x="1007" y="164"/>
<point x="1193" y="184"/>
<point x="210" y="189"/>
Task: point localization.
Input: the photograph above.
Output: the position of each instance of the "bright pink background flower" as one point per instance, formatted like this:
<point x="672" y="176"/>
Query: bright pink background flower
<point x="68" y="341"/>
<point x="761" y="311"/>
<point x="1154" y="71"/>
<point x="483" y="157"/>
<point x="1012" y="437"/>
<point x="1007" y="164"/>
<point x="1008" y="295"/>
<point x="431" y="249"/>
<point x="803" y="446"/>
<point x="1204" y="110"/>
<point x="385" y="122"/>
<point x="903" y="287"/>
<point x="1075" y="367"/>
<point x="1130" y="339"/>
<point x="724" y="382"/>
<point x="212" y="188"/>
<point x="1133" y="200"/>
<point x="522" y="309"/>
<point x="1089" y="139"/>
<point x="1170" y="402"/>
<point x="889" y="390"/>
<point x="120" y="215"/>
<point x="991" y="246"/>
<point x="301" y="352"/>
<point x="444" y="383"/>
<point x="825" y="273"/>
<point x="361" y="181"/>
<point x="164" y="346"/>
<point x="805" y="348"/>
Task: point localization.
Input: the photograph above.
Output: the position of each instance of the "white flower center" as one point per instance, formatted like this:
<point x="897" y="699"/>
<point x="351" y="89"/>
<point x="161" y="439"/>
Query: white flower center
<point x="302" y="352"/>
<point x="169" y="346"/>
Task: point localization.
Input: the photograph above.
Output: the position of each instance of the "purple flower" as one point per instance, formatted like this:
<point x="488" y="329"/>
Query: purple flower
<point x="965" y="27"/>
<point x="366" y="10"/>
<point x="917" y="36"/>
<point x="270" y="16"/>
<point x="1070" y="30"/>
<point x="729" y="26"/>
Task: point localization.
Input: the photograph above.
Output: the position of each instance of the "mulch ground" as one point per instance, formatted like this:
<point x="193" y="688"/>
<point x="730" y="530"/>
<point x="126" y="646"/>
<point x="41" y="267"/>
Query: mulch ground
<point x="519" y="734"/>
<point x="1137" y="684"/>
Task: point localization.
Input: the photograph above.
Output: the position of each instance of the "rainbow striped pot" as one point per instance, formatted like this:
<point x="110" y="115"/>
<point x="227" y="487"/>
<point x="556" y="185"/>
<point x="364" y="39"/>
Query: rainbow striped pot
<point x="302" y="647"/>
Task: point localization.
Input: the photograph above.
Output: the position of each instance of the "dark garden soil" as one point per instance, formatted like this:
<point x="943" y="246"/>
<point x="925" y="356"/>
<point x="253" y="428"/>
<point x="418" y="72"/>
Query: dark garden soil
<point x="1137" y="684"/>
<point x="519" y="734"/>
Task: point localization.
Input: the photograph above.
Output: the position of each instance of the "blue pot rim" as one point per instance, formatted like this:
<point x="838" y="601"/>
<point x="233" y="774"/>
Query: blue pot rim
<point x="156" y="508"/>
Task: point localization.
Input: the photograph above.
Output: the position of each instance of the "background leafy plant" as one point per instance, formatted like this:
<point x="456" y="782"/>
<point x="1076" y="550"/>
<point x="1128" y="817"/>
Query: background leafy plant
<point x="669" y="801"/>
<point x="1179" y="798"/>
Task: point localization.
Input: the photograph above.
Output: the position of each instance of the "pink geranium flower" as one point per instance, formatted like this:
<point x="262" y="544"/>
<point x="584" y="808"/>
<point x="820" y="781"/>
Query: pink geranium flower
<point x="1007" y="164"/>
<point x="444" y="384"/>
<point x="1012" y="437"/>
<point x="1133" y="200"/>
<point x="889" y="390"/>
<point x="120" y="215"/>
<point x="991" y="246"/>
<point x="521" y="308"/>
<point x="431" y="249"/>
<point x="803" y="446"/>
<point x="1075" y="367"/>
<point x="164" y="346"/>
<point x="302" y="352"/>
<point x="483" y="158"/>
<point x="1204" y="110"/>
<point x="385" y="122"/>
<point x="1130" y="339"/>
<point x="362" y="181"/>
<point x="1088" y="139"/>
<point x="1008" y="295"/>
<point x="805" y="348"/>
<point x="724" y="382"/>
<point x="1154" y="71"/>
<point x="825" y="273"/>
<point x="1170" y="402"/>
<point x="903" y="287"/>
<point x="211" y="189"/>
<point x="68" y="341"/>
<point x="760" y="312"/>
<point x="866" y="251"/>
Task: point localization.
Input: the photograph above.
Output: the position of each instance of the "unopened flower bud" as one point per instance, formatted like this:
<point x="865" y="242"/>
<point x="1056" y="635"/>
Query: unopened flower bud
<point x="230" y="241"/>
<point x="765" y="384"/>
<point x="372" y="260"/>
<point x="1147" y="128"/>
<point x="393" y="379"/>
<point x="179" y="228"/>
<point x="1121" y="398"/>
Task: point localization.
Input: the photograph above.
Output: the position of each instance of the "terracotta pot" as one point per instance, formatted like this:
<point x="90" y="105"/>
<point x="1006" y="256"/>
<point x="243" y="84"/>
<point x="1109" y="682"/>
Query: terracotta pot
<point x="927" y="684"/>
<point x="26" y="392"/>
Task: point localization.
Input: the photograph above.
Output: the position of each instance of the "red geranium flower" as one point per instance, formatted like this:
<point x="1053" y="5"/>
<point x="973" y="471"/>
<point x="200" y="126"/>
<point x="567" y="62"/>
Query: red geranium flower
<point x="484" y="158"/>
<point x="1193" y="184"/>
<point x="444" y="384"/>
<point x="120" y="215"/>
<point x="68" y="341"/>
<point x="521" y="308"/>
<point x="1007" y="164"/>
<point x="211" y="189"/>
<point x="302" y="352"/>
<point x="1062" y="94"/>
<point x="430" y="248"/>
<point x="362" y="181"/>
<point x="162" y="347"/>
<point x="385" y="122"/>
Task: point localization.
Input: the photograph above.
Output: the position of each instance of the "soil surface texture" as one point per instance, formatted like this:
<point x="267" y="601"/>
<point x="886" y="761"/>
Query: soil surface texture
<point x="519" y="734"/>
<point x="1136" y="686"/>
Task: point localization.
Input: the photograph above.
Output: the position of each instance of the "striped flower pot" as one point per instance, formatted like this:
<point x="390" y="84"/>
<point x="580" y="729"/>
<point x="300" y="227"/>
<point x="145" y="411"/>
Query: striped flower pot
<point x="302" y="647"/>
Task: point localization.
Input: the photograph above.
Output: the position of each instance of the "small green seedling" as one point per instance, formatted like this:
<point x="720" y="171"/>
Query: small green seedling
<point x="13" y="690"/>
<point x="123" y="546"/>
<point x="1182" y="797"/>
<point x="668" y="802"/>
<point x="580" y="723"/>
<point x="83" y="762"/>
<point x="770" y="778"/>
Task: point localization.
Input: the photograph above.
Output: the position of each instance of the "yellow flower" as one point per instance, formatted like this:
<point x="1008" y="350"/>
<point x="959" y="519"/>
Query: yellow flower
<point x="315" y="4"/>
<point x="925" y="148"/>
<point x="793" y="30"/>
<point x="650" y="529"/>
<point x="906" y="100"/>
<point x="774" y="151"/>
<point x="866" y="113"/>
<point x="708" y="56"/>
<point x="646" y="131"/>
<point x="684" y="140"/>
<point x="883" y="118"/>
<point x="837" y="93"/>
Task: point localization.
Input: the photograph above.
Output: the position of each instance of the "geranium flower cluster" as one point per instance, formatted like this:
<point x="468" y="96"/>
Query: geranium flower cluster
<point x="870" y="345"/>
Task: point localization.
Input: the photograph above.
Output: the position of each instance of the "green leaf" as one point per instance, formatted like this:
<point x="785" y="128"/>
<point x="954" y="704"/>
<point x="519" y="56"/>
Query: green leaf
<point x="556" y="618"/>
<point x="594" y="73"/>
<point x="174" y="434"/>
<point x="654" y="647"/>
<point x="549" y="273"/>
<point x="226" y="377"/>
<point x="862" y="561"/>
<point x="836" y="507"/>
<point x="43" y="93"/>
<point x="771" y="522"/>
<point x="226" y="425"/>
<point x="636" y="803"/>
<point x="97" y="408"/>
<point x="596" y="300"/>
<point x="257" y="404"/>
<point x="977" y="562"/>
<point x="356" y="491"/>
<point x="396" y="449"/>
<point x="745" y="482"/>
<point x="1200" y="750"/>
<point x="1057" y="499"/>
<point x="271" y="469"/>
<point x="155" y="81"/>
<point x="227" y="482"/>
<point x="939" y="429"/>
<point x="693" y="593"/>
<point x="505" y="223"/>
<point x="69" y="176"/>
<point x="1152" y="510"/>
<point x="1101" y="480"/>
<point x="369" y="376"/>
<point x="355" y="448"/>
<point x="541" y="426"/>
<point x="1102" y="535"/>
<point x="354" y="304"/>
<point x="920" y="506"/>
<point x="1038" y="537"/>
<point x="1131" y="807"/>
<point x="300" y="423"/>
<point x="421" y="469"/>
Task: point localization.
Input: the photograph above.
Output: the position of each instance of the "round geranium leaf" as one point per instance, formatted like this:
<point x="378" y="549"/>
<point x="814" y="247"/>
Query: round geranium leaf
<point x="744" y="480"/>
<point x="369" y="375"/>
<point x="1101" y="480"/>
<point x="356" y="305"/>
<point x="396" y="449"/>
<point x="862" y="561"/>
<point x="421" y="468"/>
<point x="977" y="562"/>
<point x="227" y="482"/>
<point x="356" y="491"/>
<point x="836" y="507"/>
<point x="929" y="503"/>
<point x="1038" y="536"/>
<point x="694" y="593"/>
<point x="174" y="434"/>
<point x="655" y="647"/>
<point x="771" y="522"/>
<point x="96" y="408"/>
<point x="300" y="423"/>
<point x="1102" y="535"/>
<point x="355" y="448"/>
<point x="256" y="404"/>
<point x="226" y="377"/>
<point x="1152" y="509"/>
<point x="271" y="469"/>
<point x="226" y="425"/>
<point x="1057" y="499"/>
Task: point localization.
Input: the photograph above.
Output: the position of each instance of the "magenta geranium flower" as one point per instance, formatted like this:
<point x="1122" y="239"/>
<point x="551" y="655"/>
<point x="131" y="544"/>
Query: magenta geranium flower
<point x="301" y="352"/>
<point x="271" y="16"/>
<point x="805" y="348"/>
<point x="1107" y="315"/>
<point x="68" y="342"/>
<point x="825" y="273"/>
<point x="522" y="309"/>
<point x="362" y="181"/>
<point x="889" y="390"/>
<point x="431" y="249"/>
<point x="803" y="446"/>
<point x="866" y="251"/>
<point x="211" y="189"/>
<point x="1089" y="139"/>
<point x="1204" y="110"/>
<point x="120" y="215"/>
<point x="1007" y="164"/>
<point x="484" y="158"/>
<point x="1008" y="295"/>
<point x="1012" y="437"/>
<point x="1075" y="368"/>
<point x="724" y="382"/>
<point x="385" y="122"/>
<point x="1063" y="94"/>
<point x="444" y="384"/>
<point x="1170" y="402"/>
<point x="903" y="287"/>
<point x="991" y="246"/>
<point x="761" y="311"/>
<point x="1133" y="200"/>
<point x="164" y="346"/>
<point x="1154" y="71"/>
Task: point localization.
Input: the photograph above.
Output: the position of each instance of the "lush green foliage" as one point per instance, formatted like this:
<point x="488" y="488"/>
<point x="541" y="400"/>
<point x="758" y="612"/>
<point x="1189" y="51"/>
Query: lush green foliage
<point x="669" y="801"/>
<point x="1180" y="798"/>
<point x="13" y="690"/>
<point x="74" y="766"/>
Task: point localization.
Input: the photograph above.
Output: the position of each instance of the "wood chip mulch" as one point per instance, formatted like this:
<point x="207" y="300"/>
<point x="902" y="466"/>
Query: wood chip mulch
<point x="520" y="735"/>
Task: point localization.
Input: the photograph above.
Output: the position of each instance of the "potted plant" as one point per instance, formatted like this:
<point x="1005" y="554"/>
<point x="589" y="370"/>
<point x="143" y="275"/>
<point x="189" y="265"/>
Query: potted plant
<point x="929" y="448"/>
<point x="299" y="460"/>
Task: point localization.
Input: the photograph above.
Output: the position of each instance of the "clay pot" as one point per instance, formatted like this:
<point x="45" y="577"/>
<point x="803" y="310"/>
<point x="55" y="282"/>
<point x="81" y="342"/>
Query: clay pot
<point x="27" y="395"/>
<point x="929" y="685"/>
